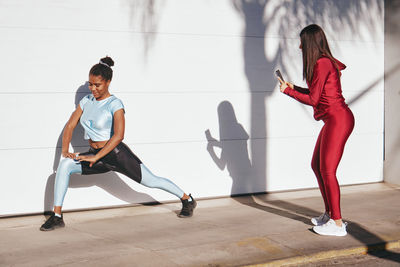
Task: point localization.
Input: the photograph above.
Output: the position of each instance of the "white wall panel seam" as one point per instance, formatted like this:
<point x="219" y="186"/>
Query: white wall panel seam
<point x="280" y="37"/>
<point x="194" y="141"/>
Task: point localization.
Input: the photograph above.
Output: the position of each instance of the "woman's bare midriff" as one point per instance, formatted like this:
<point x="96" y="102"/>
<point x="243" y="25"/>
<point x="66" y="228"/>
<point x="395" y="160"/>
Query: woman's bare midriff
<point x="97" y="144"/>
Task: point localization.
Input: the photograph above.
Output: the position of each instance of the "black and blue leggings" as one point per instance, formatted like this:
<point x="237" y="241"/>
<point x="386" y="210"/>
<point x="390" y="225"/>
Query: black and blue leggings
<point x="121" y="159"/>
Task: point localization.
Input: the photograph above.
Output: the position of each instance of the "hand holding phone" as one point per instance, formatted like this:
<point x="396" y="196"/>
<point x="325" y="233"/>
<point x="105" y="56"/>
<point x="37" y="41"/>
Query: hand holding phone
<point x="279" y="74"/>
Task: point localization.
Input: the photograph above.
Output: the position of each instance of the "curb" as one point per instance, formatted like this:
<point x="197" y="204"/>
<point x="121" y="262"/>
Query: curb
<point x="325" y="255"/>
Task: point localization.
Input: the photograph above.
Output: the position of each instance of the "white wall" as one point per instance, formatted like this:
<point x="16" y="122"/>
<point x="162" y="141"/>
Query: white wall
<point x="176" y="62"/>
<point x="392" y="92"/>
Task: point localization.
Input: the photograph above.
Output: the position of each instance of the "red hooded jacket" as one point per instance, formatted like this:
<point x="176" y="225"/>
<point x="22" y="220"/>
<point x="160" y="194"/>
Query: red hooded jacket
<point x="325" y="91"/>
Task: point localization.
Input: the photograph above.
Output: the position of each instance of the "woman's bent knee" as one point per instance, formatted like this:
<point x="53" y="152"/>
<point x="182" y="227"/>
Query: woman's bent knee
<point x="69" y="166"/>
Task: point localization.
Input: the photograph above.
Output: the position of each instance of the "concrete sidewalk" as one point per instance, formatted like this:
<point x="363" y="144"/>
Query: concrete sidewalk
<point x="271" y="229"/>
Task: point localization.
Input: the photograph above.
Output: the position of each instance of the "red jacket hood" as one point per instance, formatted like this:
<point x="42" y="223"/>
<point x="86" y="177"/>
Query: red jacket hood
<point x="339" y="64"/>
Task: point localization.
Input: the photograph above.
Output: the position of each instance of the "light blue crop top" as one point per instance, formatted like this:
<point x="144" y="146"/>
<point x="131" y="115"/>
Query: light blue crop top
<point x="97" y="116"/>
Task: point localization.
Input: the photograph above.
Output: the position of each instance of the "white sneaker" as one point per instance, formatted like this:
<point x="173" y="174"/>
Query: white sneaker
<point x="322" y="219"/>
<point x="330" y="228"/>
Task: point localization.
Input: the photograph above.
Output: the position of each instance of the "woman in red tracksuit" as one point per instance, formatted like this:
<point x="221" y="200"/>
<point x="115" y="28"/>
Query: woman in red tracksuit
<point x="322" y="74"/>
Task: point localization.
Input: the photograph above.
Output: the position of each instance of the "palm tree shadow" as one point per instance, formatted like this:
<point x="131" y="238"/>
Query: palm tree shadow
<point x="386" y="75"/>
<point x="259" y="73"/>
<point x="109" y="181"/>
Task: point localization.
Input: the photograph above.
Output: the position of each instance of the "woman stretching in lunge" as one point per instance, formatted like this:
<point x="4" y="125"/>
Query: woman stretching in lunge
<point x="322" y="74"/>
<point x="102" y="116"/>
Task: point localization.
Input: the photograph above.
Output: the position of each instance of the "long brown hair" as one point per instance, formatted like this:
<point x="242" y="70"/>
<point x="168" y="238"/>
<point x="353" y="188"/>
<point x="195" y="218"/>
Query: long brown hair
<point x="313" y="45"/>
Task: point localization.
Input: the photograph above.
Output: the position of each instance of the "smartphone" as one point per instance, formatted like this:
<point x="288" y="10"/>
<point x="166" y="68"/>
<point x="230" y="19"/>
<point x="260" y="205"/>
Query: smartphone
<point x="278" y="74"/>
<point x="208" y="135"/>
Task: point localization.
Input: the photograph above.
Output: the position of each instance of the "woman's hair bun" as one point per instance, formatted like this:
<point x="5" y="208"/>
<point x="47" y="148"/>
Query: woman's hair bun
<point x="108" y="60"/>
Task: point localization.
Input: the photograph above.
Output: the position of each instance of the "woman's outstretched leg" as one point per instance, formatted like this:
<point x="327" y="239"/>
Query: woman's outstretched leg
<point x="65" y="169"/>
<point x="153" y="181"/>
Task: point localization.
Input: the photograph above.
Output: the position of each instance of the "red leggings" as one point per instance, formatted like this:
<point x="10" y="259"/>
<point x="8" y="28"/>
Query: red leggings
<point x="327" y="154"/>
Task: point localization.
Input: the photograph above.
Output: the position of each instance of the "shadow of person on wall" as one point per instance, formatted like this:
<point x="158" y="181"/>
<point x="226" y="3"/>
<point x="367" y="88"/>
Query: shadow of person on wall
<point x="109" y="181"/>
<point x="234" y="153"/>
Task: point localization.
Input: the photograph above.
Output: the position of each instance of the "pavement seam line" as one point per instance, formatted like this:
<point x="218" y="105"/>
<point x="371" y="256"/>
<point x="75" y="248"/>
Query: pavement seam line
<point x="325" y="255"/>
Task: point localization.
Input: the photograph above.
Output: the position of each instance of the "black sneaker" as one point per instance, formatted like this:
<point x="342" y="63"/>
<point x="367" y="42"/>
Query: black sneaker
<point x="52" y="223"/>
<point x="187" y="207"/>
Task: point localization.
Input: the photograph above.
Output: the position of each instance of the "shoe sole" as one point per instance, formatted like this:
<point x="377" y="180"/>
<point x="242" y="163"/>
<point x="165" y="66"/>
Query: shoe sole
<point x="51" y="229"/>
<point x="342" y="234"/>
<point x="183" y="216"/>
